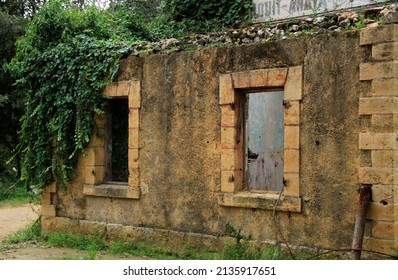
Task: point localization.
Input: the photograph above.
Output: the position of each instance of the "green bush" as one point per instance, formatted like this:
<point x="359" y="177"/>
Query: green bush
<point x="208" y="15"/>
<point x="68" y="56"/>
<point x="62" y="64"/>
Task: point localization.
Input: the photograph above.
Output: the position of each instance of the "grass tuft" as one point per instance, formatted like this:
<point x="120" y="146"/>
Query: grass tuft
<point x="30" y="233"/>
<point x="95" y="244"/>
<point x="76" y="241"/>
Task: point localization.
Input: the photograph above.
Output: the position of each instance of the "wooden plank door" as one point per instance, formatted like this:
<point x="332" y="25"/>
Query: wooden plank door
<point x="264" y="141"/>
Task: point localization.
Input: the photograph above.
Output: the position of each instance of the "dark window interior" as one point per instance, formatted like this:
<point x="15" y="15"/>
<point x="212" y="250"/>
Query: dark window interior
<point x="117" y="141"/>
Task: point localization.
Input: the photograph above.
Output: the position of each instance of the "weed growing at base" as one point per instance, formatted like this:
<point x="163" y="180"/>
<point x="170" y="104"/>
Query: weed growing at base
<point x="239" y="249"/>
<point x="29" y="234"/>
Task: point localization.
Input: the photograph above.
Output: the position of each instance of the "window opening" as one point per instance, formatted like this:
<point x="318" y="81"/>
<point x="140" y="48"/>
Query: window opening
<point x="263" y="140"/>
<point x="117" y="141"/>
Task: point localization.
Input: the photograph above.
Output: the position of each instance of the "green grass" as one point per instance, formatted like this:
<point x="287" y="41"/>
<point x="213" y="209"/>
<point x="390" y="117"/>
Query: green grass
<point x="13" y="193"/>
<point x="76" y="241"/>
<point x="395" y="255"/>
<point x="29" y="234"/>
<point x="97" y="246"/>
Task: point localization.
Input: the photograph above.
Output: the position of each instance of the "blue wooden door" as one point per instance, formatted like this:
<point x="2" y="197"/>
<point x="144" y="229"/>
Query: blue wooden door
<point x="264" y="141"/>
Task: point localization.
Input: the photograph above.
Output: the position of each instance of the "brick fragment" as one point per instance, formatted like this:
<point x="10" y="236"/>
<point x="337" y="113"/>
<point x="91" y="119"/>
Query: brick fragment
<point x="385" y="87"/>
<point x="231" y="181"/>
<point x="294" y="84"/>
<point x="385" y="51"/>
<point x="227" y="93"/>
<point x="48" y="210"/>
<point x="379" y="34"/>
<point x="381" y="212"/>
<point x="291" y="161"/>
<point x="373" y="175"/>
<point x="228" y="116"/>
<point x="292" y="113"/>
<point x="382" y="193"/>
<point x="382" y="123"/>
<point x="134" y="118"/>
<point x="292" y="187"/>
<point x="135" y="94"/>
<point x="385" y="246"/>
<point x="383" y="230"/>
<point x="123" y="88"/>
<point x="94" y="175"/>
<point x="382" y="158"/>
<point x="292" y="137"/>
<point x="46" y="199"/>
<point x="111" y="90"/>
<point x="134" y="138"/>
<point x="376" y="141"/>
<point x="378" y="70"/>
<point x="134" y="177"/>
<point x="377" y="105"/>
<point x="228" y="138"/>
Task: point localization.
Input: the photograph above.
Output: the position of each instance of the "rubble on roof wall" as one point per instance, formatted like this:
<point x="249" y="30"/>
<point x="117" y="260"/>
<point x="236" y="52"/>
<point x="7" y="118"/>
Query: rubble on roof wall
<point x="263" y="32"/>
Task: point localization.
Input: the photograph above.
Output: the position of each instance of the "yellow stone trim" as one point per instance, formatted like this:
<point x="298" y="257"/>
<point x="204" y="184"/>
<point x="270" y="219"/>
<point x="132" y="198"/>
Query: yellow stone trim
<point x="231" y="152"/>
<point x="95" y="161"/>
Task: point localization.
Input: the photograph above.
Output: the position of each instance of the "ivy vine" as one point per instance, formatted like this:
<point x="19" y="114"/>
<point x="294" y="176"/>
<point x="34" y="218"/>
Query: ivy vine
<point x="67" y="57"/>
<point x="63" y="63"/>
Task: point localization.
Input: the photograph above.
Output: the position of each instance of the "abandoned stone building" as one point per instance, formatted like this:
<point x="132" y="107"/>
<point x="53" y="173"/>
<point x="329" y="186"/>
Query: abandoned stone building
<point x="273" y="138"/>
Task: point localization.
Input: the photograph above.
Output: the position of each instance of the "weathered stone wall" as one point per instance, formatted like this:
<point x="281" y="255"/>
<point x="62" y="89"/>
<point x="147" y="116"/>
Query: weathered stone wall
<point x="378" y="108"/>
<point x="177" y="150"/>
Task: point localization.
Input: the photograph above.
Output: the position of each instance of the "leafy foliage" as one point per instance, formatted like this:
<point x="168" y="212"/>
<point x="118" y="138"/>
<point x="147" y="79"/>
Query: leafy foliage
<point x="71" y="51"/>
<point x="11" y="105"/>
<point x="63" y="63"/>
<point x="21" y="7"/>
<point x="208" y="15"/>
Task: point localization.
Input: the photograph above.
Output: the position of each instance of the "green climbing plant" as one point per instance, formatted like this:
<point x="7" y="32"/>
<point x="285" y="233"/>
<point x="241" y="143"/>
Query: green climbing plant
<point x="70" y="53"/>
<point x="209" y="15"/>
<point x="62" y="65"/>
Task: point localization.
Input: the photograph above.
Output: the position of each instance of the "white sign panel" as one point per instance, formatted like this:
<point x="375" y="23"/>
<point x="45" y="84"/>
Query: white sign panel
<point x="268" y="10"/>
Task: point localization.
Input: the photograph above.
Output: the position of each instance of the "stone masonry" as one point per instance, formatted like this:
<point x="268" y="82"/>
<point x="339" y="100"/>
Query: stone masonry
<point x="378" y="112"/>
<point x="185" y="167"/>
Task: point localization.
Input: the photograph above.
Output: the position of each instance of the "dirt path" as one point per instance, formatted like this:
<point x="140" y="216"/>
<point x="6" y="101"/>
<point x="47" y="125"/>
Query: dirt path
<point x="13" y="219"/>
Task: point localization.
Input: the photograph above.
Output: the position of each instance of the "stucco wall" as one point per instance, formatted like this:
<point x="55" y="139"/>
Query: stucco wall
<point x="180" y="146"/>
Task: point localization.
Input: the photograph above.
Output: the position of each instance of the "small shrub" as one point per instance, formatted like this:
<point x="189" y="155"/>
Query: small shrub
<point x="272" y="253"/>
<point x="122" y="247"/>
<point x="76" y="241"/>
<point x="31" y="233"/>
<point x="240" y="251"/>
<point x="91" y="255"/>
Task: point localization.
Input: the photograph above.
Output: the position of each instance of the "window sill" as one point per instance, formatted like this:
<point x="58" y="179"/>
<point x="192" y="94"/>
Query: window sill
<point x="112" y="189"/>
<point x="265" y="201"/>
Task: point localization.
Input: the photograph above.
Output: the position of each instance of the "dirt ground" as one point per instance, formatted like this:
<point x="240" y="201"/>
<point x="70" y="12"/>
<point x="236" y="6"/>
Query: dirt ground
<point x="13" y="219"/>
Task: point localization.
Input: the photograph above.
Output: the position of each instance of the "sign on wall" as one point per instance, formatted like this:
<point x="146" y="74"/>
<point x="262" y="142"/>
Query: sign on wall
<point x="268" y="10"/>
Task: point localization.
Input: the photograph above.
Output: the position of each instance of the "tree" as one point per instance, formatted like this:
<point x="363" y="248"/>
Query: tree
<point x="11" y="107"/>
<point x="24" y="8"/>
